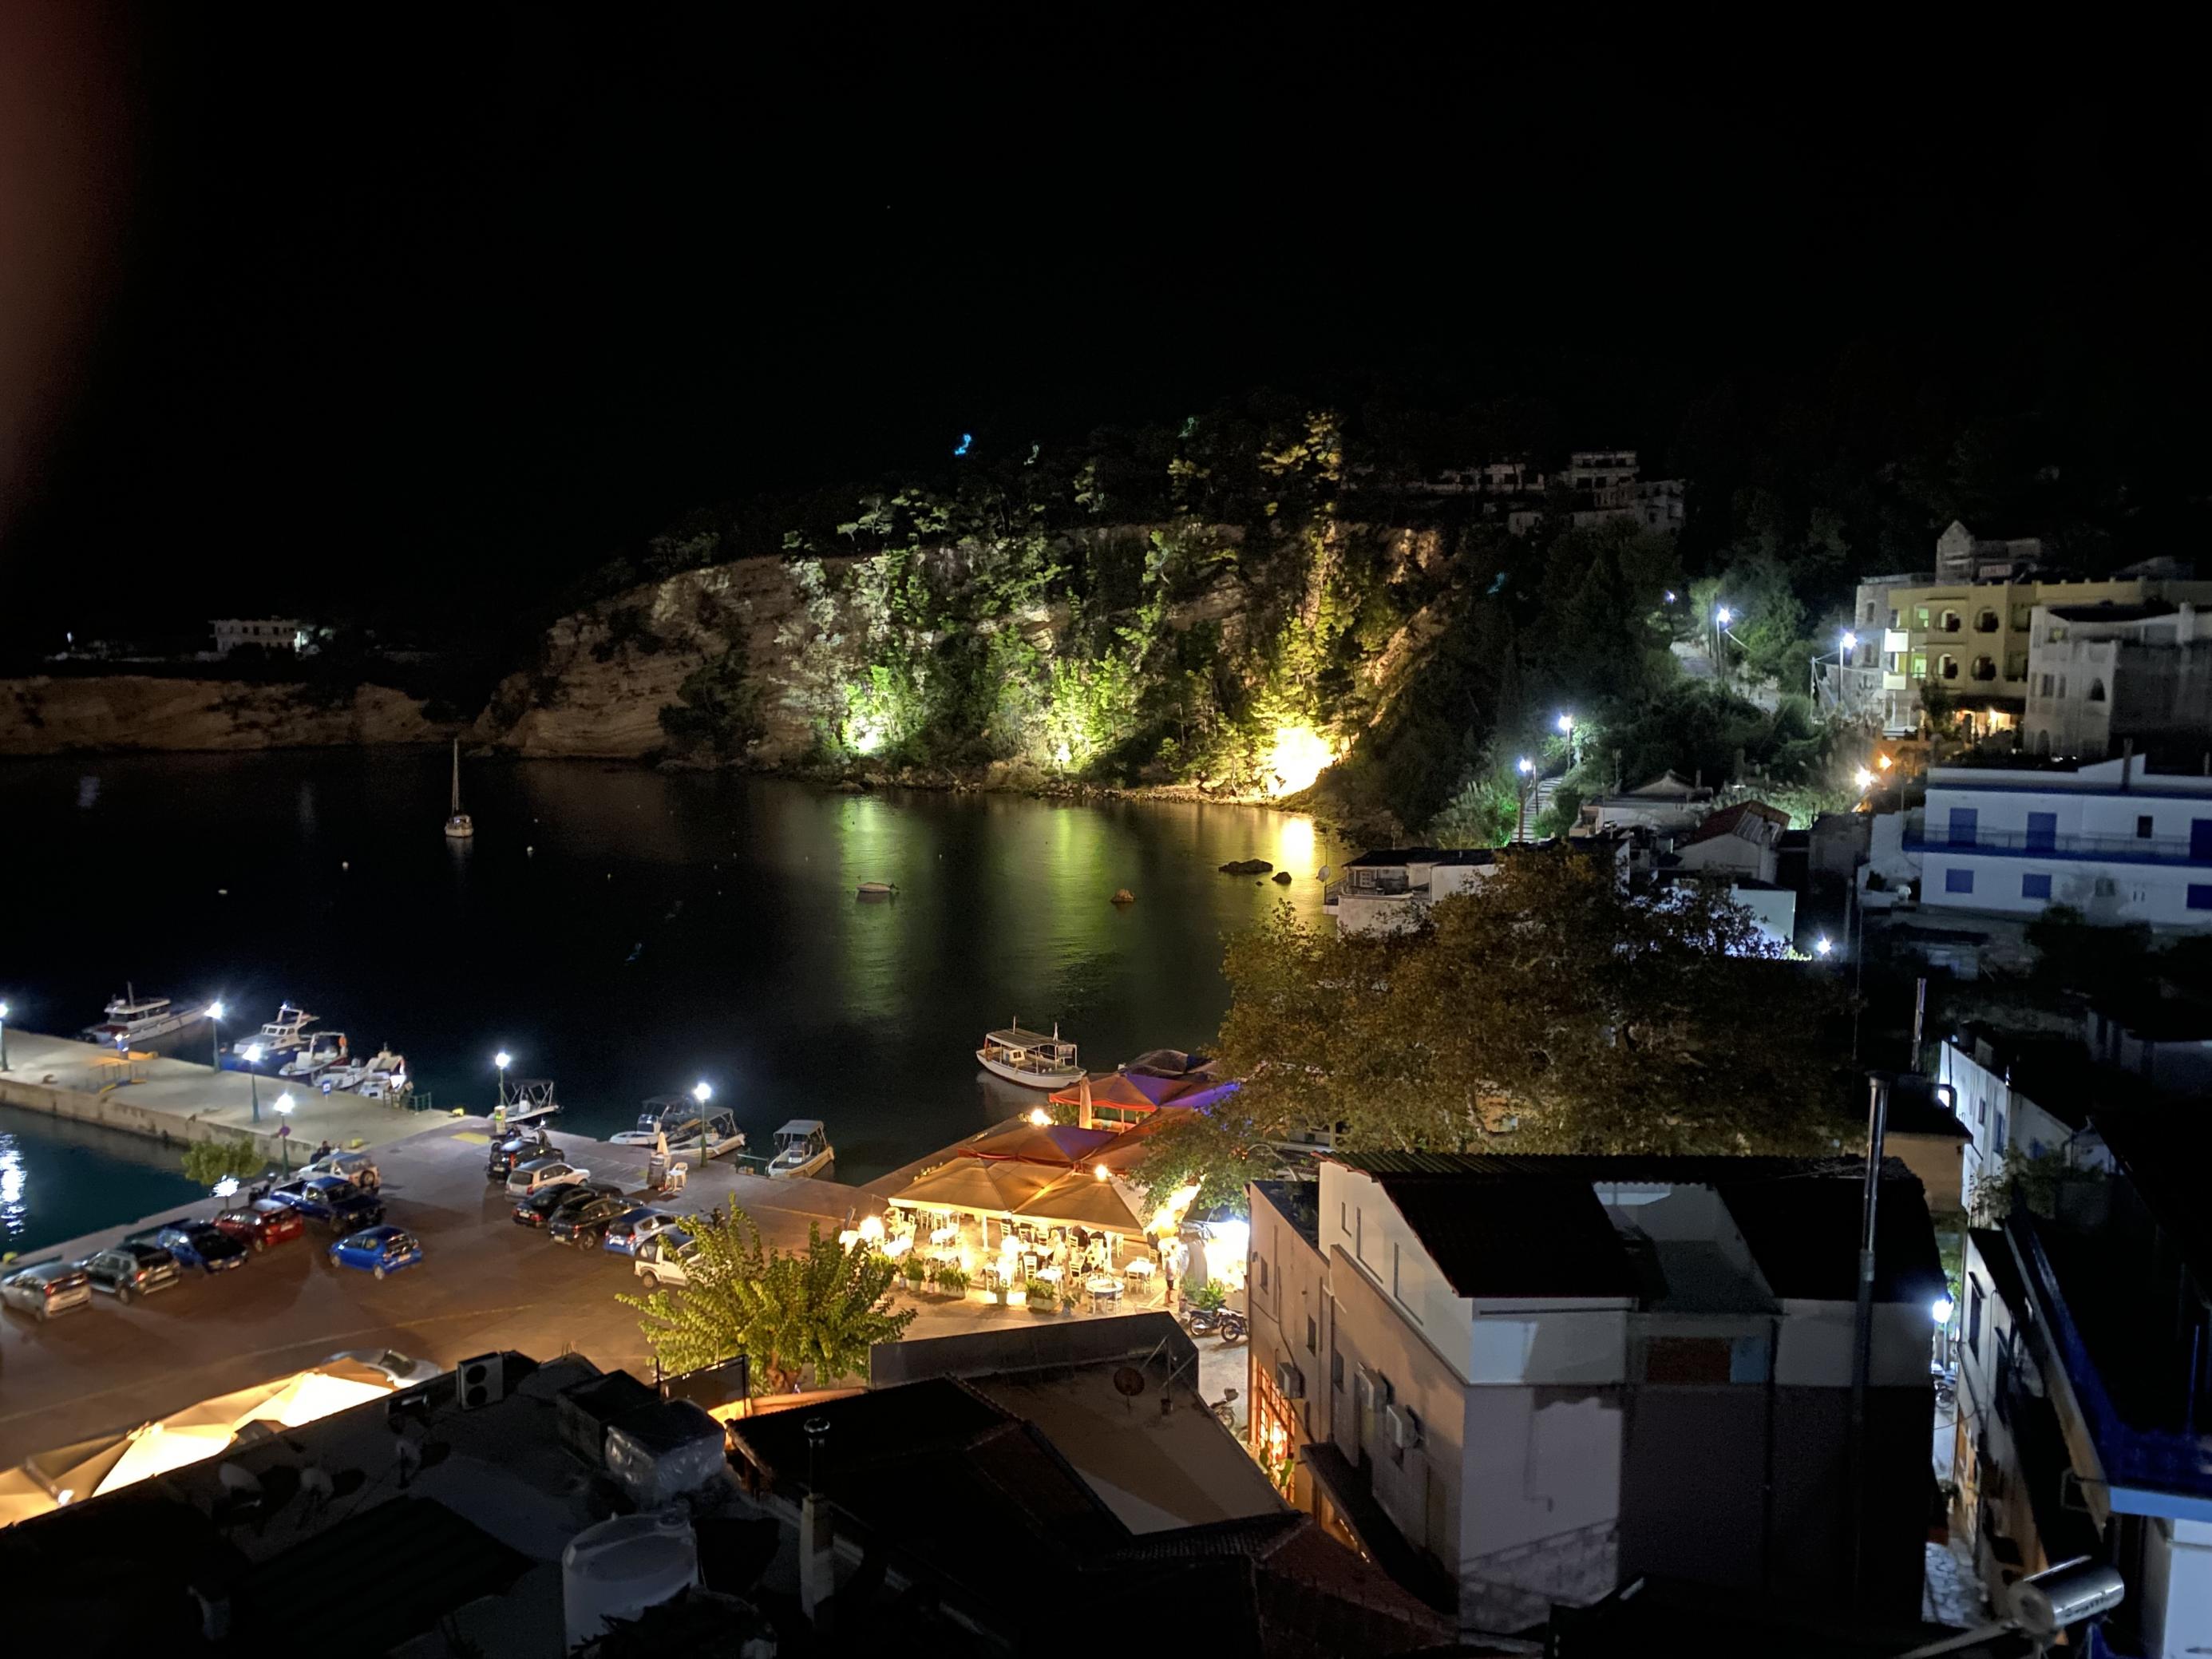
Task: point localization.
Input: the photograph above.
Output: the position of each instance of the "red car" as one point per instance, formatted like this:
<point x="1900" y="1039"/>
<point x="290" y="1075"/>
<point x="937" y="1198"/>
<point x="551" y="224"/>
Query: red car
<point x="263" y="1223"/>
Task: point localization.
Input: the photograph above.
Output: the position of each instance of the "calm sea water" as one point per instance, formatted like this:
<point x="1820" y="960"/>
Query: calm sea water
<point x="623" y="931"/>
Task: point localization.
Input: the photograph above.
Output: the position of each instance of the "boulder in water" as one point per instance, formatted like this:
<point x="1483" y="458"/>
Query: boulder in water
<point x="1283" y="878"/>
<point x="1246" y="867"/>
<point x="1123" y="896"/>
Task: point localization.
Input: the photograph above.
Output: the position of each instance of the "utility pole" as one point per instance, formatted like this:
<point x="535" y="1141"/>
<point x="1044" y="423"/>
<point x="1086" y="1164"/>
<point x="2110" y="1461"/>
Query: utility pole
<point x="1863" y="1321"/>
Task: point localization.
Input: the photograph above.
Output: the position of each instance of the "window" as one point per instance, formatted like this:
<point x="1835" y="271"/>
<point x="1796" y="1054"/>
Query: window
<point x="1986" y="622"/>
<point x="1974" y="1299"/>
<point x="1894" y="622"/>
<point x="1986" y="668"/>
<point x="2057" y="634"/>
<point x="1336" y="1371"/>
<point x="2020" y="618"/>
<point x="1343" y="1217"/>
<point x="2143" y="827"/>
<point x="2096" y="690"/>
<point x="2200" y="895"/>
<point x="2016" y="668"/>
<point x="1313" y="1335"/>
<point x="1950" y="622"/>
<point x="1958" y="881"/>
<point x="1920" y="616"/>
<point x="1946" y="667"/>
<point x="1997" y="1139"/>
<point x="1260" y="1262"/>
<point x="1893" y="662"/>
<point x="2103" y="887"/>
<point x="1394" y="1291"/>
<point x="1359" y="1233"/>
<point x="2035" y="887"/>
<point x="1919" y="664"/>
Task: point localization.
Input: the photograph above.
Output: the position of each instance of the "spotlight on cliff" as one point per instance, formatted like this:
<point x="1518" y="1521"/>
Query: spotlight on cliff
<point x="1297" y="757"/>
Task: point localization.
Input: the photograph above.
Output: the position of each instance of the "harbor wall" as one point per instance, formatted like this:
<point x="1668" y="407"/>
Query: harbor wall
<point x="117" y="1111"/>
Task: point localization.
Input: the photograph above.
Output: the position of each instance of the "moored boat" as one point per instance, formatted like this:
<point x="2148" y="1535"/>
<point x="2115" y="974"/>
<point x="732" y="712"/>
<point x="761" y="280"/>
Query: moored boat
<point x="877" y="889"/>
<point x="1029" y="1058"/>
<point x="133" y="1018"/>
<point x="459" y="826"/>
<point x="802" y="1148"/>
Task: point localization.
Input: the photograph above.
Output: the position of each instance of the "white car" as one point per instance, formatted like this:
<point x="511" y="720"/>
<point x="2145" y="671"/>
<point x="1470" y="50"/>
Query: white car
<point x="540" y="1173"/>
<point x="358" y="1168"/>
<point x="666" y="1258"/>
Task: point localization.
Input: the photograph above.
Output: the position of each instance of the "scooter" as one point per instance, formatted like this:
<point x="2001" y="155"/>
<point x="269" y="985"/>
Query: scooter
<point x="1231" y="1326"/>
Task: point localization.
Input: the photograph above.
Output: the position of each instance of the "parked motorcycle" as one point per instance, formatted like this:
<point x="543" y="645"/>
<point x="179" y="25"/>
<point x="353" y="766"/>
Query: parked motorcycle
<point x="1231" y="1326"/>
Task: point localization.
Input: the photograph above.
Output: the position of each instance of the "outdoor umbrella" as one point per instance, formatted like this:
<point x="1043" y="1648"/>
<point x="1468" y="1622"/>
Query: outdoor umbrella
<point x="983" y="1186"/>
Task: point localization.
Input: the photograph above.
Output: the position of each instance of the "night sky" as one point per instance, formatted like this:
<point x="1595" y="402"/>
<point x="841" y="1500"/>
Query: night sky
<point x="416" y="318"/>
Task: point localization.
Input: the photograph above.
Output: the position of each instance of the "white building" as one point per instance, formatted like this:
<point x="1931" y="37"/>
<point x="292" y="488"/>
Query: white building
<point x="2114" y="842"/>
<point x="1666" y="803"/>
<point x="2033" y="1097"/>
<point x="271" y="633"/>
<point x="1605" y="485"/>
<point x="1390" y="891"/>
<point x="2098" y="674"/>
<point x="1518" y="1380"/>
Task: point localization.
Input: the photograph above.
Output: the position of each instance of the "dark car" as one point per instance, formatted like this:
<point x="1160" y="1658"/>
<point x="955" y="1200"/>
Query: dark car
<point x="518" y="1148"/>
<point x="584" y="1224"/>
<point x="203" y="1245"/>
<point x="337" y="1204"/>
<point x="132" y="1269"/>
<point x="541" y="1206"/>
<point x="263" y="1223"/>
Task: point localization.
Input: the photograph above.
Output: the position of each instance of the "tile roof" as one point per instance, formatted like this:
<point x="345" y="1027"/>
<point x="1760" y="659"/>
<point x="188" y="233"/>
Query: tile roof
<point x="1729" y="819"/>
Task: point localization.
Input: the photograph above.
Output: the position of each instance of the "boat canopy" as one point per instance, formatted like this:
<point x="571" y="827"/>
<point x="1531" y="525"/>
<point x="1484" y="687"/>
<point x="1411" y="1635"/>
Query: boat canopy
<point x="1015" y="1037"/>
<point x="799" y="1128"/>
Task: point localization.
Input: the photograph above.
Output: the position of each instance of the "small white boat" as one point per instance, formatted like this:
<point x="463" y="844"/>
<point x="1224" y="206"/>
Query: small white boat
<point x="133" y="1018"/>
<point x="877" y="889"/>
<point x="288" y="1031"/>
<point x="802" y="1148"/>
<point x="459" y="826"/>
<point x="680" y="1117"/>
<point x="530" y="1100"/>
<point x="322" y="1052"/>
<point x="1030" y="1058"/>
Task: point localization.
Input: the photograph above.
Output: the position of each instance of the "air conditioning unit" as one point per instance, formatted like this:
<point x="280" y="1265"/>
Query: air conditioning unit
<point x="1405" y="1427"/>
<point x="1289" y="1381"/>
<point x="481" y="1381"/>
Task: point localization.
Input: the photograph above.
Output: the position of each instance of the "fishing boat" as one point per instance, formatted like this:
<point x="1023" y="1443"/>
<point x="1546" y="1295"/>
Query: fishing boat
<point x="320" y="1053"/>
<point x="288" y="1031"/>
<point x="877" y="889"/>
<point x="1029" y="1058"/>
<point x="680" y="1117"/>
<point x="459" y="826"/>
<point x="133" y="1018"/>
<point x="802" y="1148"/>
<point x="530" y="1100"/>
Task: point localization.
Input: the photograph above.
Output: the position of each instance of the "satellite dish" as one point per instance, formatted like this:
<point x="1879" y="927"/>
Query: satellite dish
<point x="1128" y="1382"/>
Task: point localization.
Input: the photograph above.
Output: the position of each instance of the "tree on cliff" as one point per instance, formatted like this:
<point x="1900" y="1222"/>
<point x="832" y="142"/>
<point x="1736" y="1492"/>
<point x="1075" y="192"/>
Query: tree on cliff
<point x="1546" y="1011"/>
<point x="788" y="1312"/>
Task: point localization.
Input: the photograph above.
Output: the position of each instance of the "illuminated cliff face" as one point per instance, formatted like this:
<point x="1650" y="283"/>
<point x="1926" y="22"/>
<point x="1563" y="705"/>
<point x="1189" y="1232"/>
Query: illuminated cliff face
<point x="1297" y="756"/>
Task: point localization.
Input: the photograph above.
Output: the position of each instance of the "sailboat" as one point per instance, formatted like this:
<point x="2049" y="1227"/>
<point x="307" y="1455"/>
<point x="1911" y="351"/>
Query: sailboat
<point x="459" y="827"/>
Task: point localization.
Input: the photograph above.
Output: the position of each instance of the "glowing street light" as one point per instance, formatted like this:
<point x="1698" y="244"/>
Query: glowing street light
<point x="4" y="1036"/>
<point x="701" y="1091"/>
<point x="252" y="1055"/>
<point x="1526" y="765"/>
<point x="1863" y="778"/>
<point x="1850" y="640"/>
<point x="1942" y="1308"/>
<point x="284" y="1138"/>
<point x="214" y="1033"/>
<point x="502" y="1059"/>
<point x="1566" y="723"/>
<point x="1723" y="616"/>
<point x="1822" y="945"/>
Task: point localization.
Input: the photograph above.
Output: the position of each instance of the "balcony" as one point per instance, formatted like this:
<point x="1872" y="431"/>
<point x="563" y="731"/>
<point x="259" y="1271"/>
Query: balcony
<point x="2022" y="843"/>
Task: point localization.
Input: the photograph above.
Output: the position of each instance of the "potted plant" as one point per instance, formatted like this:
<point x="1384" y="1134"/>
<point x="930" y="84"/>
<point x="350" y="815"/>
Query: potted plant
<point x="1043" y="1297"/>
<point x="914" y="1270"/>
<point x="949" y="1280"/>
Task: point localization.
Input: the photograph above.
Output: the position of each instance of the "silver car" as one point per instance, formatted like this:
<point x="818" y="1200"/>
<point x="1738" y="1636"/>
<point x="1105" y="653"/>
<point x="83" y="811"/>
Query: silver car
<point x="50" y="1288"/>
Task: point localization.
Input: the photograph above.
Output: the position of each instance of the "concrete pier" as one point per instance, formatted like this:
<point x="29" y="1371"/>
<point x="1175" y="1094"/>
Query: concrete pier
<point x="175" y="1101"/>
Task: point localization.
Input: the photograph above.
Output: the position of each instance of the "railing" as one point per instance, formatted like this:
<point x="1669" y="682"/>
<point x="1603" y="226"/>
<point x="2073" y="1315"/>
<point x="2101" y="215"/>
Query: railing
<point x="2131" y="1456"/>
<point x="2117" y="849"/>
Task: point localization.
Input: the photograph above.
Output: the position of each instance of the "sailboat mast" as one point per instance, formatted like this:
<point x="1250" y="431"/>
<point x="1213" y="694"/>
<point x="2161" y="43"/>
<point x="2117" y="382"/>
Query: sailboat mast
<point x="457" y="776"/>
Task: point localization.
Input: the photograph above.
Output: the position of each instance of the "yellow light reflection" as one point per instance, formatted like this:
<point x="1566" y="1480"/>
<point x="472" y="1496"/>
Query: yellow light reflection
<point x="1296" y="759"/>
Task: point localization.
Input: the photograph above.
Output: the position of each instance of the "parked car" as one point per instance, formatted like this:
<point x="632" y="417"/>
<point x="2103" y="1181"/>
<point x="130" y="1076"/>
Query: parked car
<point x="633" y="1227"/>
<point x="263" y="1223"/>
<point x="664" y="1258"/>
<point x="404" y="1372"/>
<point x="542" y="1172"/>
<point x="132" y="1269"/>
<point x="378" y="1250"/>
<point x="519" y="1147"/>
<point x="358" y="1168"/>
<point x="48" y="1289"/>
<point x="584" y="1225"/>
<point x="542" y="1205"/>
<point x="203" y="1245"/>
<point x="336" y="1203"/>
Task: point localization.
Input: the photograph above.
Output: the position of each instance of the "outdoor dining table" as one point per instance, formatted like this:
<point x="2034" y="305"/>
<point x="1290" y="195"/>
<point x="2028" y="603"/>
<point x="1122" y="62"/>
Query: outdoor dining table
<point x="1104" y="1288"/>
<point x="944" y="1235"/>
<point x="1139" y="1268"/>
<point x="1050" y="1275"/>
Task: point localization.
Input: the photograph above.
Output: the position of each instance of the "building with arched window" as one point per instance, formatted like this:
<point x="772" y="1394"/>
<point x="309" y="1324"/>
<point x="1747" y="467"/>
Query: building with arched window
<point x="2100" y="676"/>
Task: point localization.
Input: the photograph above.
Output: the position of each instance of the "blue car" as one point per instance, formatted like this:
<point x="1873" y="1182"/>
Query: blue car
<point x="633" y="1227"/>
<point x="378" y="1250"/>
<point x="331" y="1200"/>
<point x="202" y="1245"/>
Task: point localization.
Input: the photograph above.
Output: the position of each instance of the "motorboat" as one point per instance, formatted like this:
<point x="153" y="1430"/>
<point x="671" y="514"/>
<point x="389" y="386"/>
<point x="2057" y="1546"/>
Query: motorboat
<point x="281" y="1035"/>
<point x="382" y="1076"/>
<point x="1029" y="1058"/>
<point x="321" y="1052"/>
<point x="877" y="889"/>
<point x="530" y="1100"/>
<point x="802" y="1148"/>
<point x="718" y="1133"/>
<point x="459" y="826"/>
<point x="682" y="1118"/>
<point x="133" y="1018"/>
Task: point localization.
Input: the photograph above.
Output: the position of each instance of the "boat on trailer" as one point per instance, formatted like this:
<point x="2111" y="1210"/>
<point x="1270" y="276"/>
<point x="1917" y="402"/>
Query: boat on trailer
<point x="133" y="1018"/>
<point x="1030" y="1058"/>
<point x="802" y="1148"/>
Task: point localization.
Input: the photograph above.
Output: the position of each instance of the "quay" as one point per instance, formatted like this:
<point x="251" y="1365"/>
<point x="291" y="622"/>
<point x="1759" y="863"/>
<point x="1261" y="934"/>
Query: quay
<point x="177" y="1102"/>
<point x="485" y="1284"/>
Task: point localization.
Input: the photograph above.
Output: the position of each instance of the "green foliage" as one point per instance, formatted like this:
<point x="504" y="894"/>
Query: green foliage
<point x="719" y="711"/>
<point x="818" y="1311"/>
<point x="949" y="1278"/>
<point x="1042" y="1296"/>
<point x="1209" y="1297"/>
<point x="209" y="1161"/>
<point x="2020" y="1179"/>
<point x="914" y="1270"/>
<point x="1548" y="1010"/>
<point x="1220" y="1151"/>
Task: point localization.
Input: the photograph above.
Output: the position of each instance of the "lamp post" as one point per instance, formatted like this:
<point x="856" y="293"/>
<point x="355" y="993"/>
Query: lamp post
<point x="252" y="1055"/>
<point x="284" y="1135"/>
<point x="1566" y="723"/>
<point x="4" y="1036"/>
<point x="1527" y="768"/>
<point x="214" y="1035"/>
<point x="1722" y="616"/>
<point x="502" y="1059"/>
<point x="1845" y="646"/>
<point x="701" y="1091"/>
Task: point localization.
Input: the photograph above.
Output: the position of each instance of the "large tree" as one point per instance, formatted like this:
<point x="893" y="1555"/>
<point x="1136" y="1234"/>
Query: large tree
<point x="789" y="1312"/>
<point x="1547" y="1012"/>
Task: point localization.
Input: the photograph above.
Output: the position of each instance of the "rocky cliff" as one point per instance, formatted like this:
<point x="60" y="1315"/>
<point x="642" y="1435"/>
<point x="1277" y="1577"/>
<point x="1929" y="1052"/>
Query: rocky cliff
<point x="47" y="715"/>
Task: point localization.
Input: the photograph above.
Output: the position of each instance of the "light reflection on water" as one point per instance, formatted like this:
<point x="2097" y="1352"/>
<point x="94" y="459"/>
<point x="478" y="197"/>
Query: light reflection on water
<point x="668" y="927"/>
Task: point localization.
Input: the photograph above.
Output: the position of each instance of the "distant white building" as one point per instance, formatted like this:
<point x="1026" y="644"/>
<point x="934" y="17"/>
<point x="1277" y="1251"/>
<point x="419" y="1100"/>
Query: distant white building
<point x="1666" y="803"/>
<point x="2112" y="840"/>
<point x="272" y="634"/>
<point x="1605" y="485"/>
<point x="1390" y="891"/>
<point x="2098" y="674"/>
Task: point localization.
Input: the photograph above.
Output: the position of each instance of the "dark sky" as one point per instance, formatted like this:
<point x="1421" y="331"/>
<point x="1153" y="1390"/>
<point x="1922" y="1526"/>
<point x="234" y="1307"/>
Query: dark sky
<point x="424" y="316"/>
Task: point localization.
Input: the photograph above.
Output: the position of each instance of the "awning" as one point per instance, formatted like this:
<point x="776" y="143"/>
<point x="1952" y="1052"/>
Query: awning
<point x="1061" y="1144"/>
<point x="1083" y="1200"/>
<point x="1129" y="1149"/>
<point x="985" y="1186"/>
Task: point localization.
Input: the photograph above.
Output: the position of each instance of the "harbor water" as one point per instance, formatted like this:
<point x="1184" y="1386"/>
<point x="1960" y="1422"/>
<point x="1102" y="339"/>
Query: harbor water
<point x="623" y="931"/>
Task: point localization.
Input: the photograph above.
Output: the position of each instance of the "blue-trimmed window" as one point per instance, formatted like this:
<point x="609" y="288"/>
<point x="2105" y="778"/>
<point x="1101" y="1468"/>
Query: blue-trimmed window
<point x="2038" y="886"/>
<point x="2200" y="895"/>
<point x="1958" y="881"/>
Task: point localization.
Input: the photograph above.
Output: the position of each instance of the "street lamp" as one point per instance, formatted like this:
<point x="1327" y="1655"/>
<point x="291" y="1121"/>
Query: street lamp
<point x="252" y="1055"/>
<point x="702" y="1092"/>
<point x="4" y="1036"/>
<point x="1863" y="778"/>
<point x="1845" y="644"/>
<point x="1821" y="945"/>
<point x="284" y="1136"/>
<point x="1527" y="770"/>
<point x="1566" y="723"/>
<point x="214" y="1035"/>
<point x="502" y="1059"/>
